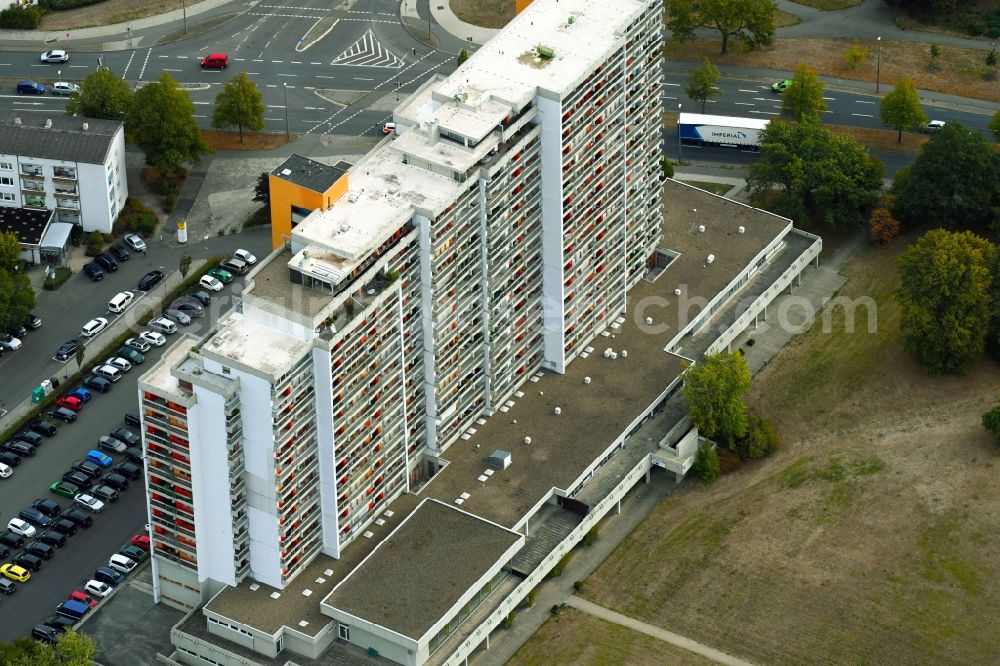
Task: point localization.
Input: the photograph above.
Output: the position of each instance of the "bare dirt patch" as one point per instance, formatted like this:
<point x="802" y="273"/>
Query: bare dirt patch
<point x="784" y="19"/>
<point x="870" y="537"/>
<point x="484" y="13"/>
<point x="108" y="12"/>
<point x="222" y="140"/>
<point x="960" y="71"/>
<point x="574" y="637"/>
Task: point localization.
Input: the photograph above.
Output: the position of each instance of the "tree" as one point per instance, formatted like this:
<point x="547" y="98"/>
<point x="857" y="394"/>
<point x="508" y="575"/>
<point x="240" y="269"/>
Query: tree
<point x="262" y="191"/>
<point x="995" y="126"/>
<point x="820" y="177"/>
<point x="804" y="97"/>
<point x="706" y="463"/>
<point x="954" y="182"/>
<point x="701" y="83"/>
<point x="882" y="226"/>
<point x="17" y="298"/>
<point x="944" y="298"/>
<point x="239" y="103"/>
<point x="991" y="419"/>
<point x="714" y="392"/>
<point x="900" y="108"/>
<point x="102" y="95"/>
<point x="185" y="265"/>
<point x="935" y="55"/>
<point x="856" y="55"/>
<point x="463" y="55"/>
<point x="75" y="649"/>
<point x="162" y="119"/>
<point x="750" y="23"/>
<point x="79" y="355"/>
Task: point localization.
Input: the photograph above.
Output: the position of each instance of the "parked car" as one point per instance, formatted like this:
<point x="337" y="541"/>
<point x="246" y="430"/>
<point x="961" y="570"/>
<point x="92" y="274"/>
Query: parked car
<point x="57" y="55"/>
<point x="29" y="437"/>
<point x="163" y="325"/>
<point x="35" y="516"/>
<point x="93" y="327"/>
<point x="153" y="338"/>
<point x="17" y="330"/>
<point x="67" y="350"/>
<point x="10" y="458"/>
<point x="210" y="283"/>
<point x="220" y="274"/>
<point x="178" y="316"/>
<point x="11" y="540"/>
<point x="30" y="88"/>
<point x="94" y="272"/>
<point x="933" y="126"/>
<point x="78" y="479"/>
<point x="109" y="576"/>
<point x="45" y="633"/>
<point x="120" y="363"/>
<point x="202" y="297"/>
<point x="110" y="444"/>
<point x="150" y="280"/>
<point x="105" y="493"/>
<point x="78" y="517"/>
<point x="187" y="306"/>
<point x="116" y="481"/>
<point x="40" y="550"/>
<point x="106" y="261"/>
<point x="109" y="372"/>
<point x="89" y="502"/>
<point x="134" y="553"/>
<point x="63" y="414"/>
<point x="59" y="623"/>
<point x="32" y="321"/>
<point x="129" y="470"/>
<point x="126" y="436"/>
<point x="134" y="454"/>
<point x="15" y="572"/>
<point x="27" y="561"/>
<point x="134" y="243"/>
<point x="235" y="266"/>
<point x="119" y="252"/>
<point x="54" y="539"/>
<point x="246" y="256"/>
<point x="64" y="88"/>
<point x="65" y="489"/>
<point x="138" y="344"/>
<point x="20" y="448"/>
<point x="132" y="418"/>
<point x="42" y="427"/>
<point x="69" y="402"/>
<point x="6" y="586"/>
<point x="120" y="302"/>
<point x="82" y="597"/>
<point x="82" y="393"/>
<point x="97" y="588"/>
<point x="48" y="507"/>
<point x="5" y="471"/>
<point x="140" y="541"/>
<point x="122" y="564"/>
<point x="65" y="526"/>
<point x="99" y="384"/>
<point x="131" y="355"/>
<point x="9" y="342"/>
<point x="22" y="528"/>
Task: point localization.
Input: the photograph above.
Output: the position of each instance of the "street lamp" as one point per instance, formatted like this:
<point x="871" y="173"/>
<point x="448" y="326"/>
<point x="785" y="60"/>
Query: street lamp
<point x="878" y="64"/>
<point x="185" y="10"/>
<point x="679" y="156"/>
<point x="288" y="135"/>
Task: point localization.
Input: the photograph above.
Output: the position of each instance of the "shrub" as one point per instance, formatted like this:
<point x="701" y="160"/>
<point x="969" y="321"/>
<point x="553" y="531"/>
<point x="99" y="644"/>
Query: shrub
<point x="95" y="243"/>
<point x="560" y="565"/>
<point x="856" y="55"/>
<point x="509" y="620"/>
<point x="555" y="609"/>
<point x="882" y="226"/>
<point x="147" y="224"/>
<point x="169" y="201"/>
<point x="60" y="5"/>
<point x="706" y="463"/>
<point x="530" y="599"/>
<point x="590" y="537"/>
<point x="150" y="176"/>
<point x="76" y="235"/>
<point x="578" y="585"/>
<point x="666" y="168"/>
<point x="21" y="18"/>
<point x="57" y="279"/>
<point x="258" y="218"/>
<point x="762" y="441"/>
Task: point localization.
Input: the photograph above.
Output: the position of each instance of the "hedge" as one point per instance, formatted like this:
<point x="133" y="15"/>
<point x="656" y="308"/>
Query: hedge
<point x="23" y="18"/>
<point x="62" y="5"/>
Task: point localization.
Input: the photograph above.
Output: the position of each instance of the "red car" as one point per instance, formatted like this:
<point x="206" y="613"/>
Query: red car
<point x="77" y="595"/>
<point x="69" y="402"/>
<point x="140" y="540"/>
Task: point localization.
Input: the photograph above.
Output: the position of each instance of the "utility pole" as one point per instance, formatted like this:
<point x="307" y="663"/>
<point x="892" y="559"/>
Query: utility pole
<point x="878" y="65"/>
<point x="184" y="9"/>
<point x="679" y="156"/>
<point x="288" y="135"/>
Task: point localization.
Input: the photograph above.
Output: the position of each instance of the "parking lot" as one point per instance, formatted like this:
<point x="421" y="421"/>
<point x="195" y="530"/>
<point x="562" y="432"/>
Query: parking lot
<point x="63" y="313"/>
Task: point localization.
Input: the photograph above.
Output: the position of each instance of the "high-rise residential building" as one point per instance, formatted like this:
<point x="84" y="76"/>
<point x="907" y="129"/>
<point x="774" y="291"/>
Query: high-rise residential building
<point x="314" y="462"/>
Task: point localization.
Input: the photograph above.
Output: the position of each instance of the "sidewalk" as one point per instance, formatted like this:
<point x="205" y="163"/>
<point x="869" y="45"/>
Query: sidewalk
<point x="441" y="11"/>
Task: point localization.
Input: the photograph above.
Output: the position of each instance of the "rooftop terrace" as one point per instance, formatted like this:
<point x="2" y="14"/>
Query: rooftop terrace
<point x="159" y="377"/>
<point x="239" y="341"/>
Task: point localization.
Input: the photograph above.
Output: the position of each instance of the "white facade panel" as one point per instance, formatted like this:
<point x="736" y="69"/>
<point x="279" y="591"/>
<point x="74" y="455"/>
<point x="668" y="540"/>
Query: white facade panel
<point x="553" y="316"/>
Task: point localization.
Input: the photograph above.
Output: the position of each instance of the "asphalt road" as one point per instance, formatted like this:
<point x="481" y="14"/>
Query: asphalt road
<point x="61" y="311"/>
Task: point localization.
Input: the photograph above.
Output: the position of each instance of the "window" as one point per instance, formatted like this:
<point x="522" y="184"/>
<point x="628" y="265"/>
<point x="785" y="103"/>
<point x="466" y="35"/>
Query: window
<point x="6" y="180"/>
<point x="6" y="166"/>
<point x="344" y="632"/>
<point x="6" y="196"/>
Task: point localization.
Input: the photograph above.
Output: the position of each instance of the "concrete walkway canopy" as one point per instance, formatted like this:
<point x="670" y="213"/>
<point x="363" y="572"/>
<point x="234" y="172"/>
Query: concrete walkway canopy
<point x="55" y="243"/>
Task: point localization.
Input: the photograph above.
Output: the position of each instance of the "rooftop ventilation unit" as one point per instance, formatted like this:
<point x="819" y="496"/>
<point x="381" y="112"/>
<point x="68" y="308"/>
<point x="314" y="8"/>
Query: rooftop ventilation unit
<point x="711" y="258"/>
<point x="677" y="292"/>
<point x="701" y="228"/>
<point x="742" y="229"/>
<point x="557" y="411"/>
<point x="586" y="380"/>
<point x="545" y="51"/>
<point x="86" y="126"/>
<point x="48" y="123"/>
<point x="286" y="172"/>
<point x="499" y="459"/>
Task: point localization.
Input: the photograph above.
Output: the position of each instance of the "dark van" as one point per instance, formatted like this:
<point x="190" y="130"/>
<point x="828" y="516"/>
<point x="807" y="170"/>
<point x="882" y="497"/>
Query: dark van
<point x="94" y="272"/>
<point x="107" y="262"/>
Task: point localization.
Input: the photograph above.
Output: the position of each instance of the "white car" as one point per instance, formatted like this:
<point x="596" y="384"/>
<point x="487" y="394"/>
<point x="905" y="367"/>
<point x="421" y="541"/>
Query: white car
<point x="934" y="126"/>
<point x="134" y="242"/>
<point x="5" y="471"/>
<point x="209" y="282"/>
<point x="64" y="88"/>
<point x="96" y="588"/>
<point x="89" y="502"/>
<point x="8" y="341"/>
<point x="55" y="56"/>
<point x="120" y="363"/>
<point x="93" y="327"/>
<point x="22" y="528"/>
<point x="153" y="338"/>
<point x="122" y="564"/>
<point x="245" y="256"/>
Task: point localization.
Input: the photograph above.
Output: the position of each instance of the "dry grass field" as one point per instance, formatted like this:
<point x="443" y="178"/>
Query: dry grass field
<point x="870" y="538"/>
<point x="108" y="12"/>
<point x="221" y="140"/>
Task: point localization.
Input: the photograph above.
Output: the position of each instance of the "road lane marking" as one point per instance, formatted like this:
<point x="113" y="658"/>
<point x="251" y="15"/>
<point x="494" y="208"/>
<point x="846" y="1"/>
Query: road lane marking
<point x="863" y="115"/>
<point x="744" y="103"/>
<point x="676" y="85"/>
<point x="862" y="101"/>
<point x="360" y="78"/>
<point x="749" y="91"/>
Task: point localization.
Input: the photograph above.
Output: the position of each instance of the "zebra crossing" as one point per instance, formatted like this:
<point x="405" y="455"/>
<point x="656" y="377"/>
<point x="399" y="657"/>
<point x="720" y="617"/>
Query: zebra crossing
<point x="368" y="52"/>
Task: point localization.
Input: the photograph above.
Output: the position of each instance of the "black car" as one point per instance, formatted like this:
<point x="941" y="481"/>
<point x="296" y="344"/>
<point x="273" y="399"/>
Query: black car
<point x="7" y="586"/>
<point x="202" y="297"/>
<point x="20" y="448"/>
<point x="131" y="355"/>
<point x="86" y="467"/>
<point x="29" y="437"/>
<point x="115" y="480"/>
<point x="99" y="384"/>
<point x="105" y="493"/>
<point x="188" y="306"/>
<point x="134" y="454"/>
<point x="39" y="549"/>
<point x="126" y="437"/>
<point x="78" y="479"/>
<point x="129" y="470"/>
<point x="119" y="252"/>
<point x="134" y="553"/>
<point x="53" y="538"/>
<point x="11" y="540"/>
<point x="10" y="459"/>
<point x="109" y="576"/>
<point x="107" y="262"/>
<point x="94" y="272"/>
<point x="65" y="526"/>
<point x="132" y="418"/>
<point x="17" y="330"/>
<point x="33" y="515"/>
<point x="45" y="633"/>
<point x="67" y="350"/>
<point x="63" y="414"/>
<point x="59" y="623"/>
<point x="78" y="516"/>
<point x="150" y="280"/>
<point x="47" y="506"/>
<point x="110" y="444"/>
<point x="32" y="322"/>
<point x="44" y="428"/>
<point x="28" y="561"/>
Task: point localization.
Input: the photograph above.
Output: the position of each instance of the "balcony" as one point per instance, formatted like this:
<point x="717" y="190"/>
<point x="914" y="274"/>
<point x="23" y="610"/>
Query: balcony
<point x="32" y="186"/>
<point x="32" y="172"/>
<point x="66" y="192"/>
<point x="66" y="204"/>
<point x="61" y="173"/>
